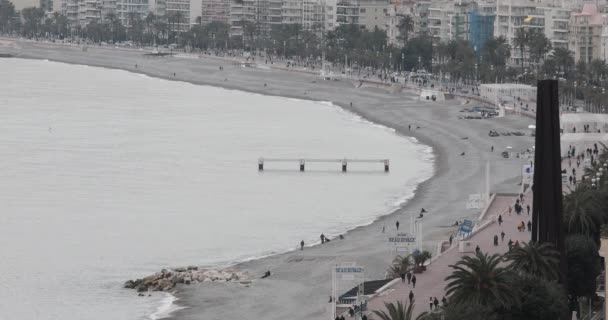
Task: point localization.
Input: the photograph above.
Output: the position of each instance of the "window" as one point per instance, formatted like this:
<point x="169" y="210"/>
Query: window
<point x="362" y="11"/>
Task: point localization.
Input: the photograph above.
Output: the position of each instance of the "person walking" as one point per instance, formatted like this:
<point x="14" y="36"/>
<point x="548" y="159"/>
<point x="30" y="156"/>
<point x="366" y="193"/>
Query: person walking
<point x="510" y="210"/>
<point x="436" y="303"/>
<point x="444" y="301"/>
<point x="408" y="275"/>
<point x="502" y="236"/>
<point x="397" y="224"/>
<point x="431" y="303"/>
<point x="301" y="245"/>
<point x="411" y="296"/>
<point x="414" y="281"/>
<point x="495" y="240"/>
<point x="477" y="249"/>
<point x="451" y="239"/>
<point x="492" y="148"/>
<point x="402" y="277"/>
<point x="499" y="220"/>
<point x="529" y="225"/>
<point x="322" y="238"/>
<point x="528" y="207"/>
<point x="510" y="244"/>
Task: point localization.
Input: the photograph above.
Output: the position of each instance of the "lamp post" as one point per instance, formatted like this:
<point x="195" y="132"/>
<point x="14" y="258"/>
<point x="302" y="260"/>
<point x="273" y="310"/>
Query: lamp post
<point x="574" y="98"/>
<point x="402" y="62"/>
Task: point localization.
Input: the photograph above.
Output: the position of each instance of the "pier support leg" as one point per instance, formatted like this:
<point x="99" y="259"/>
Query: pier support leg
<point x="302" y="165"/>
<point x="386" y="166"/>
<point x="344" y="165"/>
<point x="260" y="165"/>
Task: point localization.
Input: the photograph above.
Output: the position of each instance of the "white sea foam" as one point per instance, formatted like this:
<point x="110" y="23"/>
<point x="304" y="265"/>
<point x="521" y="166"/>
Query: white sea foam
<point x="167" y="306"/>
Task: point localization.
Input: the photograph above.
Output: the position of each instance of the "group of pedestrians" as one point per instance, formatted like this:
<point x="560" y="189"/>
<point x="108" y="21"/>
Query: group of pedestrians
<point x="411" y="278"/>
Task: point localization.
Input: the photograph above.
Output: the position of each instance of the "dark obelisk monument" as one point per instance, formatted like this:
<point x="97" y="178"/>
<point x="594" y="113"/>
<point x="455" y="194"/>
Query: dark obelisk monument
<point x="547" y="209"/>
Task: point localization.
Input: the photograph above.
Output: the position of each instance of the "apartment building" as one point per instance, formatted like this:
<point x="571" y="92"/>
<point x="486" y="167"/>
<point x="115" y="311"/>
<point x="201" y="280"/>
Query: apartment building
<point x="179" y="8"/>
<point x="396" y="11"/>
<point x="585" y="34"/>
<point x="125" y="9"/>
<point x="216" y="10"/>
<point x="449" y="20"/>
<point x="551" y="17"/>
<point x="421" y="17"/>
<point x="367" y="14"/>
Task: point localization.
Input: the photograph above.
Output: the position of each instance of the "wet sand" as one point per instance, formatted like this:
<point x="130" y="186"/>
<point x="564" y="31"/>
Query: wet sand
<point x="301" y="282"/>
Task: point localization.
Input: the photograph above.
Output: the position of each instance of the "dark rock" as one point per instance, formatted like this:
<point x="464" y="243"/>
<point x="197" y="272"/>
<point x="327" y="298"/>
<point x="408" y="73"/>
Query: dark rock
<point x="192" y="268"/>
<point x="180" y="269"/>
<point x="130" y="284"/>
<point x="142" y="287"/>
<point x="141" y="294"/>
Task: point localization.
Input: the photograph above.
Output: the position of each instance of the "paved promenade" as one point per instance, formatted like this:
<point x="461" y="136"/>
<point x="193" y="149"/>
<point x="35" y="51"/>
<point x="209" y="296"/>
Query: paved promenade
<point x="431" y="282"/>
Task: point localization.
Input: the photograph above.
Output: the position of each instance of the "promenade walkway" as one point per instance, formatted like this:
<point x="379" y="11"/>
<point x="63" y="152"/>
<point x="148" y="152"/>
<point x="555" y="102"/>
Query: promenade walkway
<point x="431" y="282"/>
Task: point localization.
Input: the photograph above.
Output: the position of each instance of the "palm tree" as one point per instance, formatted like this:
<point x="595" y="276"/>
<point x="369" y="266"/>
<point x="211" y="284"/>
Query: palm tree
<point x="401" y="265"/>
<point x="582" y="212"/>
<point x="405" y="27"/>
<point x="537" y="259"/>
<point x="479" y="280"/>
<point x="521" y="41"/>
<point x="564" y="60"/>
<point x="399" y="311"/>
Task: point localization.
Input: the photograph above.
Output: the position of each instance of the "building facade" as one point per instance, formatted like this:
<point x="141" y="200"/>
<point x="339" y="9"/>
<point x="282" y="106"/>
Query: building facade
<point x="586" y="28"/>
<point x="178" y="13"/>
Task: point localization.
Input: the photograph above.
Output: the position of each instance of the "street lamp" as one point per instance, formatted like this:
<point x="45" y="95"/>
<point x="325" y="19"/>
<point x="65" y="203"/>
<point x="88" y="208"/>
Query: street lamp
<point x="402" y="62"/>
<point x="476" y="72"/>
<point x="574" y="98"/>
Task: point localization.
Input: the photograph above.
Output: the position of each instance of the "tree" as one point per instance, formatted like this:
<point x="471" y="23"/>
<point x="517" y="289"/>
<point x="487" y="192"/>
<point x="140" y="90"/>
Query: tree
<point x="405" y="27"/>
<point x="540" y="300"/>
<point x="583" y="265"/>
<point x="479" y="280"/>
<point x="33" y="18"/>
<point x="582" y="212"/>
<point x="497" y="51"/>
<point x="7" y="13"/>
<point x="539" y="45"/>
<point x="398" y="311"/>
<point x="564" y="60"/>
<point x="401" y="265"/>
<point x="540" y="260"/>
<point x="521" y="41"/>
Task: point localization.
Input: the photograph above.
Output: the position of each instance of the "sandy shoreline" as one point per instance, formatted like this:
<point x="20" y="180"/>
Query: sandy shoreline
<point x="300" y="283"/>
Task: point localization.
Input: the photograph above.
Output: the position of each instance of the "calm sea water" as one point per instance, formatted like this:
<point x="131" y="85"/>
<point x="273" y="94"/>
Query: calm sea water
<point x="108" y="175"/>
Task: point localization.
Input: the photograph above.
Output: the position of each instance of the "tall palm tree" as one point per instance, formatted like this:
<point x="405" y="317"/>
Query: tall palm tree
<point x="405" y="27"/>
<point x="537" y="259"/>
<point x="399" y="311"/>
<point x="479" y="280"/>
<point x="521" y="41"/>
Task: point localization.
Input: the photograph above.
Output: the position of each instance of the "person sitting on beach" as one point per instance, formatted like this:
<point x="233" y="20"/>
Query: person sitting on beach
<point x="422" y="210"/>
<point x="421" y="216"/>
<point x="266" y="274"/>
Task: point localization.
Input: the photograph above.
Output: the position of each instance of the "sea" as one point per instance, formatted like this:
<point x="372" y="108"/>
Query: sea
<point x="107" y="175"/>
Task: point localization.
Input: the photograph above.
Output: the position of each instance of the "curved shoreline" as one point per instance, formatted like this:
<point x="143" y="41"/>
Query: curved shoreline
<point x="443" y="138"/>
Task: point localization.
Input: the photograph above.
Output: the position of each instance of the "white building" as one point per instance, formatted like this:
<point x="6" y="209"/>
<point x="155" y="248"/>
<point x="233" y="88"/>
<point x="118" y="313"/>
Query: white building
<point x="449" y="20"/>
<point x="179" y="8"/>
<point x="127" y="8"/>
<point x="367" y="14"/>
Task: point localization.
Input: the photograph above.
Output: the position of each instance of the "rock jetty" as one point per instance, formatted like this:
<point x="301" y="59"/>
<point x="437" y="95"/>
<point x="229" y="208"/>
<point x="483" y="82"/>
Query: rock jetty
<point x="167" y="279"/>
